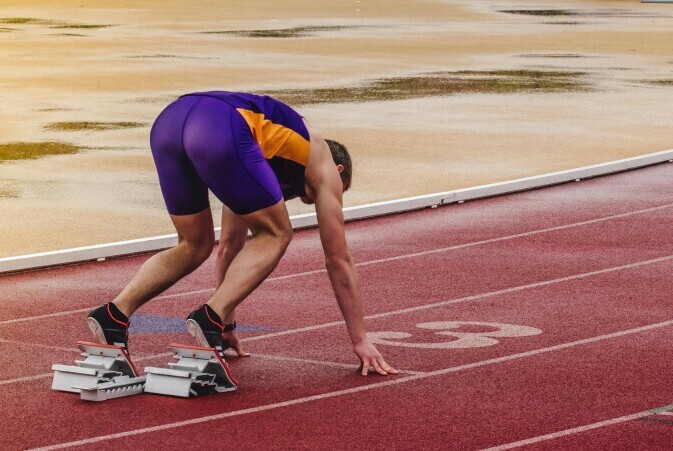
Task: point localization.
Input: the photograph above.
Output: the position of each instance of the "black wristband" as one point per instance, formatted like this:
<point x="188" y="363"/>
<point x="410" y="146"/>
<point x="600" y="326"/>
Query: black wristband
<point x="229" y="327"/>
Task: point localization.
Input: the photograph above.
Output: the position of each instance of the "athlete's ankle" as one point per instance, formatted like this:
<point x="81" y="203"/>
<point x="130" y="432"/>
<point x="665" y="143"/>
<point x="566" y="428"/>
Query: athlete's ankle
<point x="120" y="311"/>
<point x="117" y="314"/>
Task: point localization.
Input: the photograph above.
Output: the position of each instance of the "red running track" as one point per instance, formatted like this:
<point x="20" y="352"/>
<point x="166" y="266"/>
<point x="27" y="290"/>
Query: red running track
<point x="577" y="278"/>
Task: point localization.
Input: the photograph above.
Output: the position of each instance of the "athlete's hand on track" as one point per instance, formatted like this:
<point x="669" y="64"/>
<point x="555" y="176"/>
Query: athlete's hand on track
<point x="371" y="359"/>
<point x="231" y="341"/>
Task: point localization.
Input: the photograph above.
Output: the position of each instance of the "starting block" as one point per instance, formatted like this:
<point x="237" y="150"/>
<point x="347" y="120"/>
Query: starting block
<point x="198" y="371"/>
<point x="107" y="372"/>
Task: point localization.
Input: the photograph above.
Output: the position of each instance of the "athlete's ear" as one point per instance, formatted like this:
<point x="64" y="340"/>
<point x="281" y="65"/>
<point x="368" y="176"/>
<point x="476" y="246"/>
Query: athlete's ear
<point x="340" y="168"/>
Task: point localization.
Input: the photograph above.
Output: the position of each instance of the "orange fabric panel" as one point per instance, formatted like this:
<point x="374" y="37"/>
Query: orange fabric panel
<point x="276" y="140"/>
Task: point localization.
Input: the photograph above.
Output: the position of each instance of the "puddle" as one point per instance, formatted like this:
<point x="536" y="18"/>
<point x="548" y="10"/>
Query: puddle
<point x="32" y="150"/>
<point x="294" y="32"/>
<point x="98" y="126"/>
<point x="441" y="84"/>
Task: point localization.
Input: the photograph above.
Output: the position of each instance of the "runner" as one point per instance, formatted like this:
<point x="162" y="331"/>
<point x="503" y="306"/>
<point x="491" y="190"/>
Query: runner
<point x="254" y="153"/>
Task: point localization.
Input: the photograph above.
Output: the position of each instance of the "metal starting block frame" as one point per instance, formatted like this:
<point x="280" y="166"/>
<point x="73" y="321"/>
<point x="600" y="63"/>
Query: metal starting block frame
<point x="107" y="372"/>
<point x="198" y="371"/>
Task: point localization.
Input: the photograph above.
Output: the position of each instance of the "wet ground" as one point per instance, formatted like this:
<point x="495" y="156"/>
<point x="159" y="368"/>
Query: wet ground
<point x="428" y="95"/>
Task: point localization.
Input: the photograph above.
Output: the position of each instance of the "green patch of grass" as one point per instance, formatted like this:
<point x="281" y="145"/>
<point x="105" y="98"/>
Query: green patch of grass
<point x="158" y="55"/>
<point x="32" y="150"/>
<point x="24" y="21"/>
<point x="564" y="22"/>
<point x="659" y="82"/>
<point x="554" y="55"/>
<point x="441" y="84"/>
<point x="8" y="193"/>
<point x="294" y="32"/>
<point x="602" y="12"/>
<point x="76" y="26"/>
<point x="97" y="126"/>
<point x="541" y="12"/>
<point x="52" y="109"/>
<point x="51" y="23"/>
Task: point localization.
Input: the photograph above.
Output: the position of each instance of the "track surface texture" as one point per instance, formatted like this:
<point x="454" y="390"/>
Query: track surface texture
<point x="541" y="319"/>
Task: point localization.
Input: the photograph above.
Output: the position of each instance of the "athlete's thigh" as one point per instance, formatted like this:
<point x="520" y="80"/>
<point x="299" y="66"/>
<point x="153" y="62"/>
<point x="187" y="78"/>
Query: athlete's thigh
<point x="184" y="192"/>
<point x="273" y="219"/>
<point x="197" y="229"/>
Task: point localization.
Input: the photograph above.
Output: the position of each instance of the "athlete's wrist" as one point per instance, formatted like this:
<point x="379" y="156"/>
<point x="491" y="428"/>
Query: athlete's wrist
<point x="359" y="338"/>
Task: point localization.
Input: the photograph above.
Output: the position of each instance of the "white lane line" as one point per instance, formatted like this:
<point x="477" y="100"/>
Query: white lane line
<point x="26" y="379"/>
<point x="439" y="304"/>
<point x="40" y="346"/>
<point x="579" y="429"/>
<point x="169" y="354"/>
<point x="48" y="375"/>
<point x="348" y="391"/>
<point x="384" y="260"/>
<point x="468" y="298"/>
<point x="320" y="362"/>
<point x="48" y="315"/>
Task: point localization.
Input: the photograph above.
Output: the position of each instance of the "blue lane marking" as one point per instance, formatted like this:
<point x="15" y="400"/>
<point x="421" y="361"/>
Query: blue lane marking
<point x="157" y="324"/>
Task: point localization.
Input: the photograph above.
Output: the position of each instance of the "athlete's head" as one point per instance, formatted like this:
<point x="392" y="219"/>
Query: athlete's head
<point x="342" y="158"/>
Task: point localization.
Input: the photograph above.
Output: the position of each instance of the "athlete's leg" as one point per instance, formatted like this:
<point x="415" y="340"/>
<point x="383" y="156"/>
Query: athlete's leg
<point x="195" y="244"/>
<point x="272" y="234"/>
<point x="228" y="159"/>
<point x="232" y="239"/>
<point x="186" y="197"/>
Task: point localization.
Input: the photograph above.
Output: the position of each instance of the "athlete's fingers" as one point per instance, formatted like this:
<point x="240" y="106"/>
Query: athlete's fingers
<point x="241" y="353"/>
<point x="387" y="368"/>
<point x="365" y="368"/>
<point x="378" y="368"/>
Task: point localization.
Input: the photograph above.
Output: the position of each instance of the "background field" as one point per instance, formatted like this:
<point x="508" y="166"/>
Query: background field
<point x="428" y="95"/>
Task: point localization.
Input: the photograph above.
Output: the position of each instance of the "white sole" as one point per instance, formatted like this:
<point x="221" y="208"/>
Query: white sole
<point x="96" y="330"/>
<point x="196" y="332"/>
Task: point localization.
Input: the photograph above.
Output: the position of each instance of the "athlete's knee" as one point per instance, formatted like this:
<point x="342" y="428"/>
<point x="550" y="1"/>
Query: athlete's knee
<point x="198" y="249"/>
<point x="280" y="235"/>
<point x="284" y="236"/>
<point x="229" y="248"/>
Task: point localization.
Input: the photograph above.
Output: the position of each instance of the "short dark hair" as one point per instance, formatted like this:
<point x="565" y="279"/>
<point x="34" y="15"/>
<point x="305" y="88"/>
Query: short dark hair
<point x="341" y="156"/>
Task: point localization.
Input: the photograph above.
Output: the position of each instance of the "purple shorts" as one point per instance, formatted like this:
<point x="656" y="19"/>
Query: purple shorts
<point x="202" y="143"/>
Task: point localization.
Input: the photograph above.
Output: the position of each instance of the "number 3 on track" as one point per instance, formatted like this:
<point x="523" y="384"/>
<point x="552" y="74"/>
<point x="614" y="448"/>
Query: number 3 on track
<point x="451" y="329"/>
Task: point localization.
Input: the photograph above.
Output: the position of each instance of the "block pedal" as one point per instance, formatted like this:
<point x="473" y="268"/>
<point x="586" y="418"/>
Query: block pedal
<point x="106" y="372"/>
<point x="198" y="371"/>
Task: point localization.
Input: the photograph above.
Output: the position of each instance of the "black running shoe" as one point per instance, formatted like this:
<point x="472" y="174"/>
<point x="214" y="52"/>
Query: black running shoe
<point x="109" y="325"/>
<point x="206" y="326"/>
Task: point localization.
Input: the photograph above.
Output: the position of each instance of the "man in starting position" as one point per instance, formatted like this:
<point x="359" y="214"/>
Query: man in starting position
<point x="254" y="153"/>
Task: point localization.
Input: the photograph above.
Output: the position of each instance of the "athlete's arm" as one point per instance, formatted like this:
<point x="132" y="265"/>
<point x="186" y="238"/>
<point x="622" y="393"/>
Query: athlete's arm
<point x="327" y="187"/>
